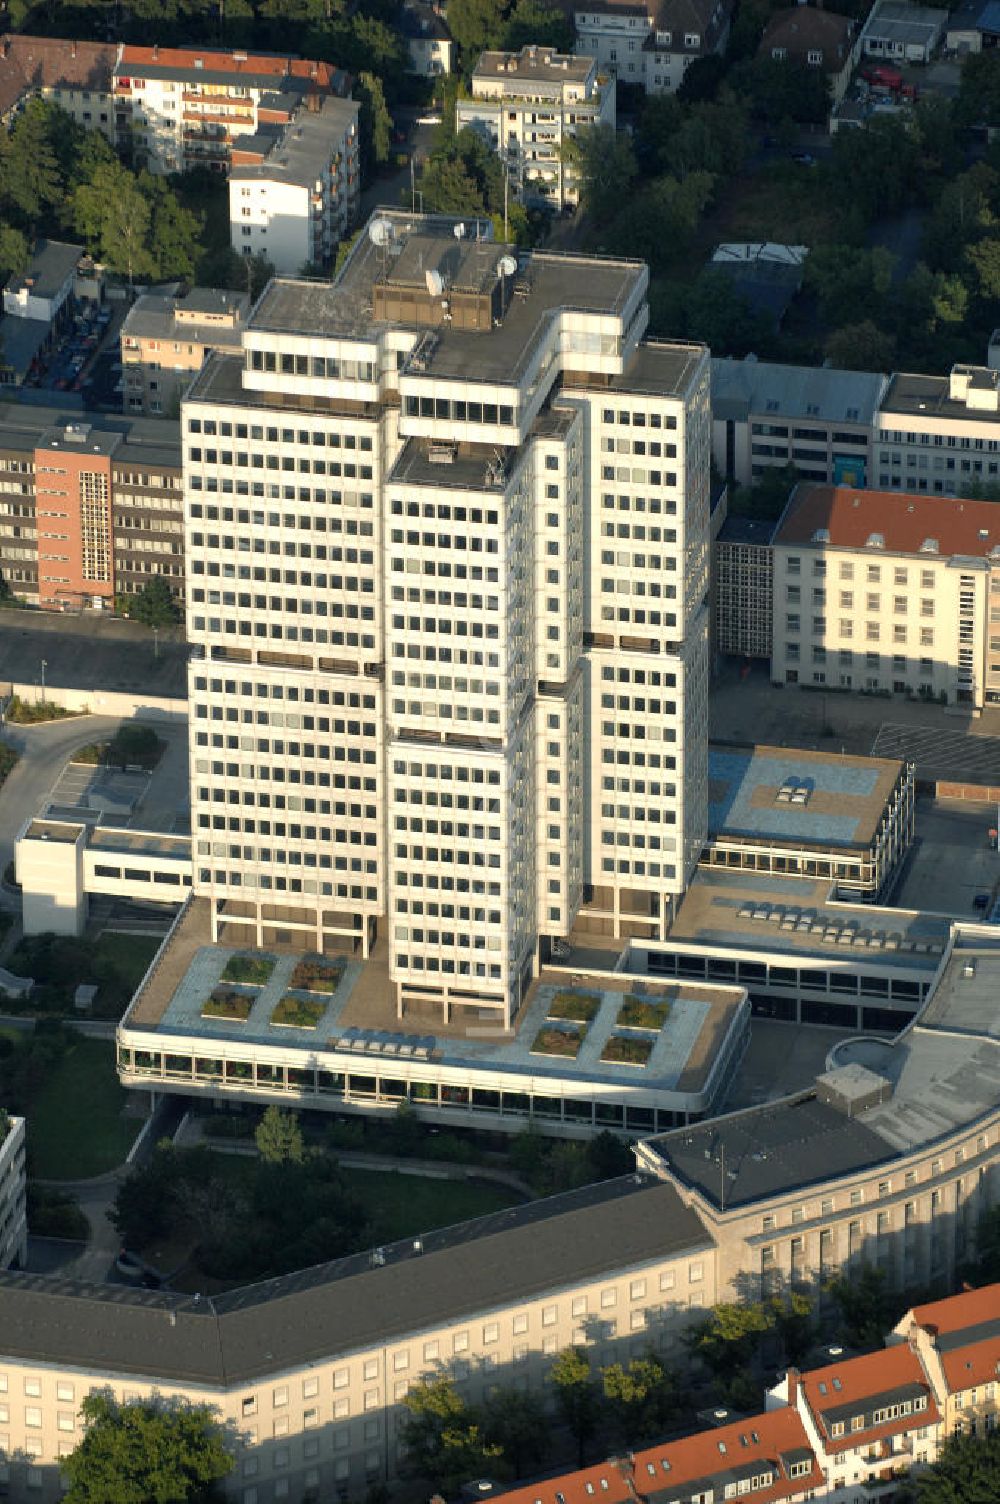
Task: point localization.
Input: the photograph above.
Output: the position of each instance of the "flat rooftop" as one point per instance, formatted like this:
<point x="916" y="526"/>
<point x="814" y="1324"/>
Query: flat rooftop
<point x="749" y="910"/>
<point x="546" y="282"/>
<point x="54" y="830"/>
<point x="793" y="796"/>
<point x="140" y="440"/>
<point x="301" y="152"/>
<point x="360" y="1017"/>
<point x="422" y="462"/>
<point x="930" y="397"/>
<point x="355" y="1302"/>
<point x="659" y="368"/>
<point x="532" y="65"/>
<point x="944" y="1071"/>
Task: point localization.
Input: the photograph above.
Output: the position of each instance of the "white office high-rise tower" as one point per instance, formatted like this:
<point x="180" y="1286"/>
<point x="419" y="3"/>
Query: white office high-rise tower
<point x="448" y="532"/>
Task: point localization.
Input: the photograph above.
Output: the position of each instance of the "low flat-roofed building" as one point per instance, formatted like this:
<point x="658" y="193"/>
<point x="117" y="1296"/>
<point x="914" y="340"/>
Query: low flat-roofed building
<point x="766" y="415"/>
<point x="974" y="27"/>
<point x="60" y="863"/>
<point x="165" y="337"/>
<point x="743" y="578"/>
<point x="812" y="1186"/>
<point x="294" y="188"/>
<point x="903" y="32"/>
<point x="45" y="287"/>
<point x="13" y="1186"/>
<point x="938" y="433"/>
<point x="358" y="1056"/>
<point x="528" y="105"/>
<point x="332" y="1350"/>
<point x="887" y="593"/>
<point x="802" y="813"/>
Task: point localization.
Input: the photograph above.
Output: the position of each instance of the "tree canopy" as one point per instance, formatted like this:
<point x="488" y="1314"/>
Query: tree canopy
<point x="145" y="1452"/>
<point x="967" y="1472"/>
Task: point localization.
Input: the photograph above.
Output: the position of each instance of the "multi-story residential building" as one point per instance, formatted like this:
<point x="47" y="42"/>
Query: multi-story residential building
<point x="293" y="189"/>
<point x="885" y="592"/>
<point x="766" y="416"/>
<point x="13" y="1219"/>
<point x="529" y="105"/>
<point x="165" y="338"/>
<point x="490" y="501"/>
<point x="309" y="1375"/>
<point x="74" y="75"/>
<point x="428" y="39"/>
<point x="651" y="45"/>
<point x="808" y="37"/>
<point x="939" y="434"/>
<point x="182" y="107"/>
<point x="88" y="510"/>
<point x="958" y="1342"/>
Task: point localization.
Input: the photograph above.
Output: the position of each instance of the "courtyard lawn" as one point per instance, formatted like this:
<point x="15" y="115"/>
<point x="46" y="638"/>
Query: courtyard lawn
<point x="403" y="1206"/>
<point x="75" y="1127"/>
<point x="58" y="963"/>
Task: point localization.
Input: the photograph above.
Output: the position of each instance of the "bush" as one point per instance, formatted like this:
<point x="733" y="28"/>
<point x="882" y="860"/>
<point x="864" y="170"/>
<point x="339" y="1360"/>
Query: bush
<point x="298" y="1013"/>
<point x="225" y="1003"/>
<point x="642" y="1013"/>
<point x="557" y="1042"/>
<point x="255" y="970"/>
<point x="54" y="1214"/>
<point x="93" y="754"/>
<point x="25" y="713"/>
<point x="317" y="976"/>
<point x="8" y="761"/>
<point x="580" y="1007"/>
<point x="622" y="1051"/>
<point x="134" y="745"/>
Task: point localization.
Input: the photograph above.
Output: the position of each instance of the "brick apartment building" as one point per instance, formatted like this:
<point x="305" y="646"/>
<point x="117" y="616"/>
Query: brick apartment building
<point x="88" y="510"/>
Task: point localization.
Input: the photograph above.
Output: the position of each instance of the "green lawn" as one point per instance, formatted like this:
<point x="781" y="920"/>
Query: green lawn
<point x="75" y="1127"/>
<point x="58" y="963"/>
<point x="402" y="1206"/>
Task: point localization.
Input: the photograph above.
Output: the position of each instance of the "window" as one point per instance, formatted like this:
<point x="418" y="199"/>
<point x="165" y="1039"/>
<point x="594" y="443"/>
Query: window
<point x="695" y="1273"/>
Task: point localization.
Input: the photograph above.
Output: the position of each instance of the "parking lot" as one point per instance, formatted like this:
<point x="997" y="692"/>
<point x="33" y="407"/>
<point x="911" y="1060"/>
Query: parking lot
<point x="952" y="862"/>
<point x="66" y="366"/>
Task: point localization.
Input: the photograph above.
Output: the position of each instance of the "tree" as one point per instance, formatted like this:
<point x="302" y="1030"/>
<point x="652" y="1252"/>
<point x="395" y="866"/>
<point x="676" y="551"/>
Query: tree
<point x="153" y="605"/>
<point x="516" y="1423"/>
<point x="861" y="347"/>
<point x="538" y="23"/>
<point x="114" y="217"/>
<point x="984" y="259"/>
<point x="778" y="90"/>
<point x="475" y="25"/>
<point x="376" y="122"/>
<point x="279" y="1138"/>
<point x="442" y="1437"/>
<point x="576" y="1396"/>
<point x="13" y="251"/>
<point x="978" y="100"/>
<point x="768" y="496"/>
<point x="174" y="229"/>
<point x="29" y="170"/>
<point x="607" y="169"/>
<point x="967" y="1472"/>
<point x="865" y="1305"/>
<point x="641" y="1399"/>
<point x="143" y="1451"/>
<point x="725" y="1340"/>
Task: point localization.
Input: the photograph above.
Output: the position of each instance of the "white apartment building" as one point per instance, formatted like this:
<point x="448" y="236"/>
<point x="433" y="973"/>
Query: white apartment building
<point x="293" y="189"/>
<point x="939" y="434"/>
<point x="13" y="1220"/>
<point x="528" y="105"/>
<point x="447" y="529"/>
<point x="651" y="43"/>
<point x="880" y="592"/>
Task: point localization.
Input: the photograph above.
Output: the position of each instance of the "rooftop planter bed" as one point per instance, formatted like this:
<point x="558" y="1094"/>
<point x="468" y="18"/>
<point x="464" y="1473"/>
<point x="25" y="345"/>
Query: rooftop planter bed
<point x="225" y="1003"/>
<point x="317" y="976"/>
<point x="253" y="969"/>
<point x="557" y="1042"/>
<point x="622" y="1051"/>
<point x="642" y="1013"/>
<point x="579" y="1007"/>
<point x="298" y="1013"/>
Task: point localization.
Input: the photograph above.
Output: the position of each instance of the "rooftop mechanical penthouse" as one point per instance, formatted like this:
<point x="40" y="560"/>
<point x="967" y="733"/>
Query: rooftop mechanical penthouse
<point x="447" y="529"/>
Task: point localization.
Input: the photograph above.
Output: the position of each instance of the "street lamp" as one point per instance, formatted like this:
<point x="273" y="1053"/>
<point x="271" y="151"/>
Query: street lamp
<point x="44" y="667"/>
<point x="156" y="642"/>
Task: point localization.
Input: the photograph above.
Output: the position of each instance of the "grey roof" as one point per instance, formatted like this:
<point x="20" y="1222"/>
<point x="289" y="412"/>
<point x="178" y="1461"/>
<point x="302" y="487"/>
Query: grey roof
<point x="867" y="1405"/>
<point x="303" y="149"/>
<point x="967" y="1336"/>
<point x="900" y="21"/>
<point x="350" y="1305"/>
<point x="534" y="65"/>
<point x="742" y="387"/>
<point x="20" y="342"/>
<point x="931" y="396"/>
<point x="758" y="530"/>
<point x="143" y="440"/>
<point x="944" y="1069"/>
<point x="155" y="317"/>
<point x="52" y="262"/>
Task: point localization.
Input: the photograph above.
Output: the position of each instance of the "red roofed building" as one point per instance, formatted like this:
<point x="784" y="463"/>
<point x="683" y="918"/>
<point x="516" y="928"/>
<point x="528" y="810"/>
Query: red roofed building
<point x="184" y="107"/>
<point x="765" y="1459"/>
<point x="959" y="1343"/>
<point x="887" y="592"/>
<point x="74" y="75"/>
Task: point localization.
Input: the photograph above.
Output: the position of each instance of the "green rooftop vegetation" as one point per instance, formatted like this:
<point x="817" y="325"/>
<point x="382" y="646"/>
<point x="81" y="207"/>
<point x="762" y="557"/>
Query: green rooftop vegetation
<point x="621" y="1050"/>
<point x="298" y="1013"/>
<point x="580" y="1007"/>
<point x="253" y="969"/>
<point x="318" y="976"/>
<point x="558" y="1042"/>
<point x="642" y="1013"/>
<point x="225" y="1003"/>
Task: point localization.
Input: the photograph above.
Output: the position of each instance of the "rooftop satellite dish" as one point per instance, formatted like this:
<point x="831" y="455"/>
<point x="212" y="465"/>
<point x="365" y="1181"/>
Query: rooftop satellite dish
<point x="507" y="267"/>
<point x="435" y="282"/>
<point x="459" y="232"/>
<point x="380" y="231"/>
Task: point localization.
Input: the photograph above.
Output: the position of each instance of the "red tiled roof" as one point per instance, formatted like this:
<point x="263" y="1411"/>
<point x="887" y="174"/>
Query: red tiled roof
<point x="903" y="520"/>
<point x="856" y="1381"/>
<point x="763" y="1438"/>
<point x="979" y="1363"/>
<point x="29" y="63"/>
<point x="958" y="1312"/>
<point x="186" y="59"/>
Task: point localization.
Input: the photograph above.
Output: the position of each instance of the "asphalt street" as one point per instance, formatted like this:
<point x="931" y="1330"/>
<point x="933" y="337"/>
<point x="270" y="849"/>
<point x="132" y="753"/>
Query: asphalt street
<point x="44" y="751"/>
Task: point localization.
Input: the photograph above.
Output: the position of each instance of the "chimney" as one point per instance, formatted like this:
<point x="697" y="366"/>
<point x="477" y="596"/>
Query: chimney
<point x="156" y="51"/>
<point x="792" y="1378"/>
<point x="6" y="46"/>
<point x="72" y="49"/>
